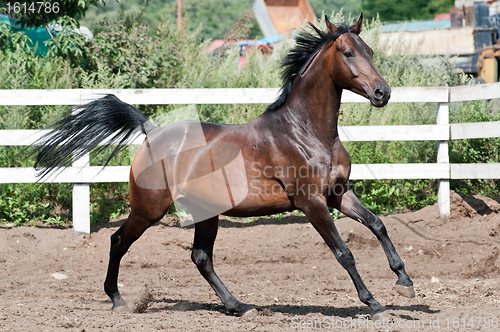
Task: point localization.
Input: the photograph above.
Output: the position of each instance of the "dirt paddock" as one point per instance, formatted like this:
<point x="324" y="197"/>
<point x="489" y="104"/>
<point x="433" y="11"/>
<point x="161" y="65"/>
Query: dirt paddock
<point x="52" y="281"/>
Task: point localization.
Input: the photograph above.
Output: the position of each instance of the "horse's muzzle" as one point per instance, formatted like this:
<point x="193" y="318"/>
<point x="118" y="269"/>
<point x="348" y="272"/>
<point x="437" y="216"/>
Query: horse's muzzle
<point x="381" y="96"/>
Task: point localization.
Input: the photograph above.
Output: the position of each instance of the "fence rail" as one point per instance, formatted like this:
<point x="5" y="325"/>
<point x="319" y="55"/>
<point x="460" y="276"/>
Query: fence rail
<point x="76" y="97"/>
<point x="80" y="174"/>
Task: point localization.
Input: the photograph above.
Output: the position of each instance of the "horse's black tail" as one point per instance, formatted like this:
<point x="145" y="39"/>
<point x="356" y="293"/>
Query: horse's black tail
<point x="76" y="134"/>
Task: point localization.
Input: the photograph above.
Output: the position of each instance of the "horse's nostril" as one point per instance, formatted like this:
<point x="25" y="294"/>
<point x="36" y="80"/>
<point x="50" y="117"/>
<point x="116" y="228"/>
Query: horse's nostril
<point x="379" y="94"/>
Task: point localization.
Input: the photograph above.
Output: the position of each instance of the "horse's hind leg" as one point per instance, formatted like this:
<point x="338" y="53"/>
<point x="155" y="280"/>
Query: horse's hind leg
<point x="204" y="238"/>
<point x="350" y="205"/>
<point x="121" y="241"/>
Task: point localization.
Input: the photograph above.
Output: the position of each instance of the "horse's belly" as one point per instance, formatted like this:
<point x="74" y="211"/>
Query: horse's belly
<point x="263" y="198"/>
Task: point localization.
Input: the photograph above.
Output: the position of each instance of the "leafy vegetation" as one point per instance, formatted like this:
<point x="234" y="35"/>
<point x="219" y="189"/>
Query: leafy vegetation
<point x="216" y="16"/>
<point x="128" y="54"/>
<point x="402" y="10"/>
<point x="43" y="12"/>
<point x="348" y="8"/>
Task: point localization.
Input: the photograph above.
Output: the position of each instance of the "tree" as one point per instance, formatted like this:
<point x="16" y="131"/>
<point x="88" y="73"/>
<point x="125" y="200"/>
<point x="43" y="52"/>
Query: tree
<point x="58" y="17"/>
<point x="215" y="16"/>
<point x="352" y="7"/>
<point x="42" y="12"/>
<point x="401" y="10"/>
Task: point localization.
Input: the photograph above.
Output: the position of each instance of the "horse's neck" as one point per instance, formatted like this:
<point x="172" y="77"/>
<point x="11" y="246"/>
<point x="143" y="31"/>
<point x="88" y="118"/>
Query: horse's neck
<point x="314" y="105"/>
<point x="312" y="108"/>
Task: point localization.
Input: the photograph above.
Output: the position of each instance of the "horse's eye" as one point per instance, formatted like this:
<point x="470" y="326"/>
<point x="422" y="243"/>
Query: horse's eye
<point x="348" y="54"/>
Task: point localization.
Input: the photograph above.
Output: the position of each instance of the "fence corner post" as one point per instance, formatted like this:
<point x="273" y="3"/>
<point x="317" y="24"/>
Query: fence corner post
<point x="81" y="201"/>
<point x="443" y="158"/>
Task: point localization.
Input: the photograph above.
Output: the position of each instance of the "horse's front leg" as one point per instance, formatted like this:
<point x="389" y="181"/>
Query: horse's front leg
<point x="350" y="205"/>
<point x="316" y="210"/>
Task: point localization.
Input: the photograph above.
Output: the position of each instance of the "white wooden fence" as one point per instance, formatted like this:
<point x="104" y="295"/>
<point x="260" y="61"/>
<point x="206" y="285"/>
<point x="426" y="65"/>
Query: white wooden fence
<point x="81" y="174"/>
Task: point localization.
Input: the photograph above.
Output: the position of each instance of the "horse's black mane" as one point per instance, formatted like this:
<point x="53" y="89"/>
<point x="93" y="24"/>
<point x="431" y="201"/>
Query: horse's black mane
<point x="307" y="44"/>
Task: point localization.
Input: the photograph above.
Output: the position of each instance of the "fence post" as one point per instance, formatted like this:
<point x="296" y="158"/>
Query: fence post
<point x="81" y="201"/>
<point x="443" y="157"/>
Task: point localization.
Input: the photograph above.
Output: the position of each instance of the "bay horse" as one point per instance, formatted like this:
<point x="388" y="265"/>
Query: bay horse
<point x="298" y="131"/>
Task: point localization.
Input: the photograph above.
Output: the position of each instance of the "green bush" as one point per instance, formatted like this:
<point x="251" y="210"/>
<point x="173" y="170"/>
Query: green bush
<point x="20" y="203"/>
<point x="480" y="150"/>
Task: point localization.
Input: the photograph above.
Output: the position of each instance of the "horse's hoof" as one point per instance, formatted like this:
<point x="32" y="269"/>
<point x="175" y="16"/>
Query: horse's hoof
<point x="249" y="313"/>
<point x="243" y="309"/>
<point x="406" y="291"/>
<point x="121" y="309"/>
<point x="383" y="317"/>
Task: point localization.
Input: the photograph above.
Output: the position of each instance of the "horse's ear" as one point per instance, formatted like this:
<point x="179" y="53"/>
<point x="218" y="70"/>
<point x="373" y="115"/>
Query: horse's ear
<point x="330" y="26"/>
<point x="358" y="26"/>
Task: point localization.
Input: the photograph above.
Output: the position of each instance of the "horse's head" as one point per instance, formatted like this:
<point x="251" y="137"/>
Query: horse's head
<point x="352" y="65"/>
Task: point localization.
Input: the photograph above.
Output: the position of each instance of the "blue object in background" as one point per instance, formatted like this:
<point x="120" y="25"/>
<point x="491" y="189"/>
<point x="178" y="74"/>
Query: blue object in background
<point x="416" y="25"/>
<point x="36" y="35"/>
<point x="263" y="41"/>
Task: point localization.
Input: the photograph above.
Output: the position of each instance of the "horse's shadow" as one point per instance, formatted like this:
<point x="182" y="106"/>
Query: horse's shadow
<point x="223" y="222"/>
<point x="294" y="310"/>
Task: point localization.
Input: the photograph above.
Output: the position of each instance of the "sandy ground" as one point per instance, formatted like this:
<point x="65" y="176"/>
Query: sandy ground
<point x="52" y="281"/>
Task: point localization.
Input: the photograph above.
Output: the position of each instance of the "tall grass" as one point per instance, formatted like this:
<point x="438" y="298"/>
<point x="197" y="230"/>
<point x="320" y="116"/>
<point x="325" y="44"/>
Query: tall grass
<point x="20" y="69"/>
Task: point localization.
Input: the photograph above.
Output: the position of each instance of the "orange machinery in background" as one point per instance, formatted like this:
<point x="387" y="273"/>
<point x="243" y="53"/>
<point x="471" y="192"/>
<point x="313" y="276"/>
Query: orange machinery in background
<point x="279" y="17"/>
